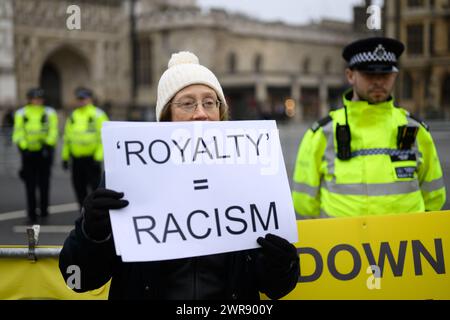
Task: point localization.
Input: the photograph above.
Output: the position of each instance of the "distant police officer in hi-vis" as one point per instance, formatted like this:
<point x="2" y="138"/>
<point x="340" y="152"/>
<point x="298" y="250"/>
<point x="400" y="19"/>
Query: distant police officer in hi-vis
<point x="36" y="134"/>
<point x="82" y="147"/>
<point x="370" y="157"/>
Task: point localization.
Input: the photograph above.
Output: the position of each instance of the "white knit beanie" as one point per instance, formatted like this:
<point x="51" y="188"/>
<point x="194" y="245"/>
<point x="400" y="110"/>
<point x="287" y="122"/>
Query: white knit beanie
<point x="184" y="69"/>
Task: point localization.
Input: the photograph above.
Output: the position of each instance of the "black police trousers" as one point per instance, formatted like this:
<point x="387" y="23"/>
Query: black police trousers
<point x="35" y="173"/>
<point x="86" y="174"/>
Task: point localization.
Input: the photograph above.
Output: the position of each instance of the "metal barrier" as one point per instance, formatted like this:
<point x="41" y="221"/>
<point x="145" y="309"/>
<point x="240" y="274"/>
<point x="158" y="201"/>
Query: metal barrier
<point x="31" y="253"/>
<point x="25" y="253"/>
<point x="32" y="272"/>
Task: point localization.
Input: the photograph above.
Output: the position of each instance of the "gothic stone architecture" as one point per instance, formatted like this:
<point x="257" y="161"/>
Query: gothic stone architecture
<point x="58" y="59"/>
<point x="424" y="26"/>
<point x="268" y="70"/>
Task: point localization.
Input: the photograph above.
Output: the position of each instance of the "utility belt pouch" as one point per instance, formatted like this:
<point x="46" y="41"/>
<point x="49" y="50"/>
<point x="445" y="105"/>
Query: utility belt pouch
<point x="343" y="138"/>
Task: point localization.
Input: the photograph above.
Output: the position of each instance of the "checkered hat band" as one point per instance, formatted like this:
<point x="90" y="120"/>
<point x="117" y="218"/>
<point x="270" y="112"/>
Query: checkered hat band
<point x="364" y="57"/>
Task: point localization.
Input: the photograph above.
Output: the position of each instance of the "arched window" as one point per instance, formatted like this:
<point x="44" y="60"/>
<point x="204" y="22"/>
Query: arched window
<point x="144" y="62"/>
<point x="327" y="65"/>
<point x="258" y="63"/>
<point x="50" y="81"/>
<point x="306" y="65"/>
<point x="232" y="62"/>
<point x="407" y="86"/>
<point x="446" y="91"/>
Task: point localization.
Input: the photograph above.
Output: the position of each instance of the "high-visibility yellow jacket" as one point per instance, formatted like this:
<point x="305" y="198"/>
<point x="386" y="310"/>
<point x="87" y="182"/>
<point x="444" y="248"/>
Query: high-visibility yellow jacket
<point x="34" y="127"/>
<point x="378" y="179"/>
<point x="82" y="133"/>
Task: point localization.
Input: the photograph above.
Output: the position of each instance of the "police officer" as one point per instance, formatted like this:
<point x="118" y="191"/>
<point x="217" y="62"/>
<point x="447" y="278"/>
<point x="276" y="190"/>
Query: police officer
<point x="370" y="157"/>
<point x="82" y="147"/>
<point x="36" y="134"/>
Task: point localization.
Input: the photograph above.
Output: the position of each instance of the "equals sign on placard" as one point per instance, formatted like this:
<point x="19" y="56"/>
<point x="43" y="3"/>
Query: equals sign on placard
<point x="201" y="184"/>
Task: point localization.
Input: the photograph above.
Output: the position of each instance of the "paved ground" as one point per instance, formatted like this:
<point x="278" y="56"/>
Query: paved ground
<point x="64" y="210"/>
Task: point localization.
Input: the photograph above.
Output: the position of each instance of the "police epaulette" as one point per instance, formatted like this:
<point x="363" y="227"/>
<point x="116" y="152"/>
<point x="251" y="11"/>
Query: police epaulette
<point x="321" y="123"/>
<point x="427" y="127"/>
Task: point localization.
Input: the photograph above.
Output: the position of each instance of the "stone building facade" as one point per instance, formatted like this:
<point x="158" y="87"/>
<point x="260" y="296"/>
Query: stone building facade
<point x="8" y="89"/>
<point x="424" y="27"/>
<point x="268" y="70"/>
<point x="48" y="54"/>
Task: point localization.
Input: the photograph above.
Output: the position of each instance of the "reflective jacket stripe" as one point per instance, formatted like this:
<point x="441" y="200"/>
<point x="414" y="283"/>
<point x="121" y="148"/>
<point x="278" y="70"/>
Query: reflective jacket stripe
<point x="381" y="189"/>
<point x="330" y="153"/>
<point x="378" y="189"/>
<point x="432" y="185"/>
<point x="301" y="187"/>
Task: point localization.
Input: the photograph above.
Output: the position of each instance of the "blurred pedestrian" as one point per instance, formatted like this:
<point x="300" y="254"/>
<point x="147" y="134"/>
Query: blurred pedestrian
<point x="36" y="134"/>
<point x="82" y="147"/>
<point x="187" y="91"/>
<point x="370" y="157"/>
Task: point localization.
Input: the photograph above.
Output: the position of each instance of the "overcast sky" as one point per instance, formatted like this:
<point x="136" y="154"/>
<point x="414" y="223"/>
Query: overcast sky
<point x="291" y="11"/>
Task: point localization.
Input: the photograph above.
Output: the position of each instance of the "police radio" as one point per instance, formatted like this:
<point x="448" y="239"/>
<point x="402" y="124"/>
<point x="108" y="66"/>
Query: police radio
<point x="406" y="137"/>
<point x="343" y="138"/>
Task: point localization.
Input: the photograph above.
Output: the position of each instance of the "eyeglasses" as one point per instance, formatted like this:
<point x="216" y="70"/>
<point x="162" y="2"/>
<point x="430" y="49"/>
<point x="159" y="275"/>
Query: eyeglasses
<point x="189" y="106"/>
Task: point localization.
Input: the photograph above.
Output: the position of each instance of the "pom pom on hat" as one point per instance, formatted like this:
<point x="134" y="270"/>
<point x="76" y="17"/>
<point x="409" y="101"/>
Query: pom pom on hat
<point x="183" y="57"/>
<point x="184" y="69"/>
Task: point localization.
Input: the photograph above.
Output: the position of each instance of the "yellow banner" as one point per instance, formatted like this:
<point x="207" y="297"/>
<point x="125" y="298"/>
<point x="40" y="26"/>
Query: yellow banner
<point x="26" y="279"/>
<point x="386" y="257"/>
<point x="409" y="255"/>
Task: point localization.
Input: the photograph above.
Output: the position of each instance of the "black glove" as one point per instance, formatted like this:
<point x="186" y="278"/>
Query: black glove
<point x="65" y="165"/>
<point x="96" y="212"/>
<point x="278" y="253"/>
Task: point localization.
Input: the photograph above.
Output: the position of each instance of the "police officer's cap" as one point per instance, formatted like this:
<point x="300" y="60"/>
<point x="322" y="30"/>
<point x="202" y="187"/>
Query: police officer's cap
<point x="374" y="55"/>
<point x="35" y="93"/>
<point x="83" y="93"/>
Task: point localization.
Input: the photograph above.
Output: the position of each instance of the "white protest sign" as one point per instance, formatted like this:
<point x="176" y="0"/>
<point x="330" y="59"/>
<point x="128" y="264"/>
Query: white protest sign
<point x="196" y="188"/>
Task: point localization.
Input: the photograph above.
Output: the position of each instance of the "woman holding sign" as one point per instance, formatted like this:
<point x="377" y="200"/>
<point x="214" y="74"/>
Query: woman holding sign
<point x="187" y="91"/>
